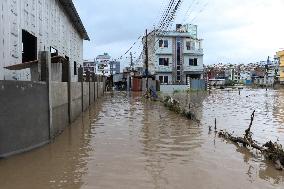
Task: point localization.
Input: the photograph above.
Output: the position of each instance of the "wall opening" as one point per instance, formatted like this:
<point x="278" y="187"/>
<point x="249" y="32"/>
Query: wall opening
<point x="29" y="47"/>
<point x="65" y="70"/>
<point x="53" y="52"/>
<point x="75" y="68"/>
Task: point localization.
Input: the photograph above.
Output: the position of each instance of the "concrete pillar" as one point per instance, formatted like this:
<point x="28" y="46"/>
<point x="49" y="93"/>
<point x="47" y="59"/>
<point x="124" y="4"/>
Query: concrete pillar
<point x="80" y="74"/>
<point x="44" y="60"/>
<point x="69" y="92"/>
<point x="88" y="76"/>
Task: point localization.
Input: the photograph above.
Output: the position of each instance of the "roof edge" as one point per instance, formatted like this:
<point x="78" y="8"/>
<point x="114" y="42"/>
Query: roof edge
<point x="70" y="8"/>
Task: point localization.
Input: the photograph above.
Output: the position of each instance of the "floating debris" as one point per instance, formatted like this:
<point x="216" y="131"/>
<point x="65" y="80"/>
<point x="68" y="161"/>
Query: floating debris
<point x="271" y="151"/>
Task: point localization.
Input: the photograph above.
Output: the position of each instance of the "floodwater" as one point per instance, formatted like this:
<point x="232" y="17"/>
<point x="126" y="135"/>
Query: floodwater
<point x="123" y="142"/>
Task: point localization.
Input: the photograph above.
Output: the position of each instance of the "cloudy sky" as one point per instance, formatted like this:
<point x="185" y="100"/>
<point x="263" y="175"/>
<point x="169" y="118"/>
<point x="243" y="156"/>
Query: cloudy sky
<point x="234" y="31"/>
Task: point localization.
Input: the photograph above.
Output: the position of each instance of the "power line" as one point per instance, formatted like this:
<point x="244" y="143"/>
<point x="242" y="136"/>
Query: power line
<point x="188" y="10"/>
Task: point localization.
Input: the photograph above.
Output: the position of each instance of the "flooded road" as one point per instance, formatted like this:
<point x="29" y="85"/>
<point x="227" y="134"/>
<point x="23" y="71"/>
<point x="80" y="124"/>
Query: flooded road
<point x="124" y="142"/>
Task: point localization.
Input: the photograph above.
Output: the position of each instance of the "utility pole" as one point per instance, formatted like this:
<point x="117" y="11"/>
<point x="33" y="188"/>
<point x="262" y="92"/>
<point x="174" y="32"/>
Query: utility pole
<point x="266" y="71"/>
<point x="131" y="62"/>
<point x="146" y="61"/>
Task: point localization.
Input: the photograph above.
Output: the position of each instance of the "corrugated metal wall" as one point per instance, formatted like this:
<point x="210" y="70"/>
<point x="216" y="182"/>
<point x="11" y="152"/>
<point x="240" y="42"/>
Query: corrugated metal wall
<point x="197" y="84"/>
<point x="46" y="20"/>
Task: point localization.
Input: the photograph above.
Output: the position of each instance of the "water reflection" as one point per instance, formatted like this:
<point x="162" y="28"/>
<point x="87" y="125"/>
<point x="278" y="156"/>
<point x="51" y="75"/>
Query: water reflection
<point x="168" y="140"/>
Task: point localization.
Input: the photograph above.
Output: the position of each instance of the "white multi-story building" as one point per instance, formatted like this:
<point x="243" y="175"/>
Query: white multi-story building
<point x="89" y="65"/>
<point x="106" y="66"/>
<point x="30" y="26"/>
<point x="103" y="64"/>
<point x="176" y="57"/>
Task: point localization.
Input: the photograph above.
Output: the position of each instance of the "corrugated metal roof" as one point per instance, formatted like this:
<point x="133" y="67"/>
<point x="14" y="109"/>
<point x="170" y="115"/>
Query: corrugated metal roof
<point x="70" y="9"/>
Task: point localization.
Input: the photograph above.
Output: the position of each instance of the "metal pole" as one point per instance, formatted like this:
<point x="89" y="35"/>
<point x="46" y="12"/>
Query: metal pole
<point x="146" y="61"/>
<point x="266" y="72"/>
<point x="131" y="62"/>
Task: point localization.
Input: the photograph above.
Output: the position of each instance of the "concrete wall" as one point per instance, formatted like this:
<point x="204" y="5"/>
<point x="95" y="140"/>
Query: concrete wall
<point x="59" y="104"/>
<point x="172" y="88"/>
<point x="92" y="92"/>
<point x="86" y="96"/>
<point x="150" y="83"/>
<point x="32" y="113"/>
<point x="100" y="89"/>
<point x="24" y="120"/>
<point x="76" y="100"/>
<point x="96" y="91"/>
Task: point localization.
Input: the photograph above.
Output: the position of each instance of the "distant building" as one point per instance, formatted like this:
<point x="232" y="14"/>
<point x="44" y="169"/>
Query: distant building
<point x="103" y="64"/>
<point x="27" y="27"/>
<point x="280" y="56"/>
<point x="89" y="65"/>
<point x="114" y="67"/>
<point x="176" y="57"/>
<point x="106" y="66"/>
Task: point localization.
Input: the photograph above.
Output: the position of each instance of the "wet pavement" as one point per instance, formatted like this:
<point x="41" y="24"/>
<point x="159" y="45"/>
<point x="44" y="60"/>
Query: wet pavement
<point x="123" y="142"/>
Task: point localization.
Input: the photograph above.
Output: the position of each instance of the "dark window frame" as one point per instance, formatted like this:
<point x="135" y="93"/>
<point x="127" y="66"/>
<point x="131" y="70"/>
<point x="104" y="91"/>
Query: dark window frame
<point x="75" y="68"/>
<point x="164" y="61"/>
<point x="193" y="62"/>
<point x="166" y="43"/>
<point x="161" y="42"/>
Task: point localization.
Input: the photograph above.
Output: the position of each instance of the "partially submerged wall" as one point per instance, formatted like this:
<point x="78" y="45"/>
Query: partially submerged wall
<point x="96" y="91"/>
<point x="24" y="120"/>
<point x="59" y="101"/>
<point x="30" y="117"/>
<point x="86" y="96"/>
<point x="100" y="89"/>
<point x="76" y="100"/>
<point x="92" y="92"/>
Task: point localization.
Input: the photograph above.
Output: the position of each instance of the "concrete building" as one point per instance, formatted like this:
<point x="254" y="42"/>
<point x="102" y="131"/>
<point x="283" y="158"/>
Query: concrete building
<point x="114" y="67"/>
<point x="106" y="66"/>
<point x="280" y="56"/>
<point x="176" y="57"/>
<point x="103" y="64"/>
<point x="89" y="65"/>
<point x="30" y="26"/>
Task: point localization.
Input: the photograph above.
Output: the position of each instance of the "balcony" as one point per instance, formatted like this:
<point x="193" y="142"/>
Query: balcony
<point x="164" y="51"/>
<point x="163" y="69"/>
<point x="198" y="68"/>
<point x="195" y="52"/>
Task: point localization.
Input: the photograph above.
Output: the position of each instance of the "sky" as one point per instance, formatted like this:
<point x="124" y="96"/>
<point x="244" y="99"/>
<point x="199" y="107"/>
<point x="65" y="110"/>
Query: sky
<point x="234" y="31"/>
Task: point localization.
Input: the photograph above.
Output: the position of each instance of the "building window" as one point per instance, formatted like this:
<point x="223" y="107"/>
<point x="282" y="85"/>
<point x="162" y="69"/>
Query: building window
<point x="178" y="51"/>
<point x="178" y="78"/>
<point x="178" y="68"/>
<point x="164" y="79"/>
<point x="160" y="43"/>
<point x="188" y="45"/>
<point x="164" y="61"/>
<point x="75" y="68"/>
<point x="166" y="43"/>
<point x="29" y="47"/>
<point x="192" y="45"/>
<point x="163" y="43"/>
<point x="193" y="62"/>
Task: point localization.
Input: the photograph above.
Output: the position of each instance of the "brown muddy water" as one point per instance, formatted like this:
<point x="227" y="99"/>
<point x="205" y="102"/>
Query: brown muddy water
<point x="123" y="142"/>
